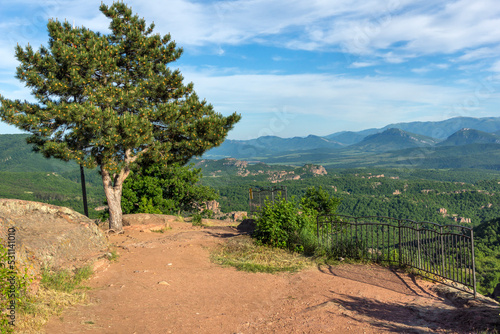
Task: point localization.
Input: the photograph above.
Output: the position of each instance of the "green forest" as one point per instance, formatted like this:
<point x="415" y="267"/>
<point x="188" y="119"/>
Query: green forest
<point x="417" y="195"/>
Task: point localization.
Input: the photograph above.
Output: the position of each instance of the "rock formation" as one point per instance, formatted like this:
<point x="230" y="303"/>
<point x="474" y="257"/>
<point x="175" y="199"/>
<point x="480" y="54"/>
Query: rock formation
<point x="49" y="236"/>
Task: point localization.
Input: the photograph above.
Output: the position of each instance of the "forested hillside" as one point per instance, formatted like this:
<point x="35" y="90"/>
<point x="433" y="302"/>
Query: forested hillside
<point x="443" y="196"/>
<point x="18" y="156"/>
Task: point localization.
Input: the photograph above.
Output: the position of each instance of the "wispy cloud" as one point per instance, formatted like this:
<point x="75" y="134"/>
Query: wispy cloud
<point x="408" y="27"/>
<point x="361" y="64"/>
<point x="430" y="67"/>
<point x="344" y="99"/>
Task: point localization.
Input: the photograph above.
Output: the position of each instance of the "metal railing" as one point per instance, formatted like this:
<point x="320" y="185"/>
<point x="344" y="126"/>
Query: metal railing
<point x="437" y="251"/>
<point x="257" y="196"/>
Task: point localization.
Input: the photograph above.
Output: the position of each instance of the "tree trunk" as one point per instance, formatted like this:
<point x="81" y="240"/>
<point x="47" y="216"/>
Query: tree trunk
<point x="113" y="190"/>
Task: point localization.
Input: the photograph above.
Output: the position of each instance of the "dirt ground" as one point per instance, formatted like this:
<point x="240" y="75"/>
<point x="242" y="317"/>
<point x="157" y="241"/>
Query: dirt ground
<point x="166" y="283"/>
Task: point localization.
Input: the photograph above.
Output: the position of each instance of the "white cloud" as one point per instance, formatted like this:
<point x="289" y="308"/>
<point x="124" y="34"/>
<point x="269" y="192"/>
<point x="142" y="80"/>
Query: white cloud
<point x="408" y="27"/>
<point x="480" y="53"/>
<point x="385" y="33"/>
<point x="496" y="66"/>
<point x="430" y="67"/>
<point x="361" y="64"/>
<point x="366" y="100"/>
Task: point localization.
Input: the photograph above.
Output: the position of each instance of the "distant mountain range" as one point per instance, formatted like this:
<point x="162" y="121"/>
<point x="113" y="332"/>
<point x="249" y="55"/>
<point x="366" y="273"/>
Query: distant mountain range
<point x="438" y="130"/>
<point x="393" y="139"/>
<point x="470" y="136"/>
<point x="389" y="138"/>
<point x="461" y="142"/>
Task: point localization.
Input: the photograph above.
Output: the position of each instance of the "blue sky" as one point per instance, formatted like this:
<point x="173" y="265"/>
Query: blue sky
<point x="300" y="67"/>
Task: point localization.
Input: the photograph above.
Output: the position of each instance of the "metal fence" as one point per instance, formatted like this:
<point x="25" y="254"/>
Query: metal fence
<point x="437" y="251"/>
<point x="257" y="196"/>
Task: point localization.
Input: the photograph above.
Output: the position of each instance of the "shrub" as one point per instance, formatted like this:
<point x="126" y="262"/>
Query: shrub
<point x="280" y="224"/>
<point x="487" y="252"/>
<point x="319" y="201"/>
<point x="207" y="214"/>
<point x="155" y="188"/>
<point x="197" y="220"/>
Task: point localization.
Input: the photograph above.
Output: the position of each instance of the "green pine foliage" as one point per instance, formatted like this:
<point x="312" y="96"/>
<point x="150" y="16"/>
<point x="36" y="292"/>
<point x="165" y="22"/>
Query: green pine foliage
<point x="105" y="100"/>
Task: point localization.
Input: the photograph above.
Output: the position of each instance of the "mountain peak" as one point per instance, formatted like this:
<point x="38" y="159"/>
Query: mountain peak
<point x="468" y="136"/>
<point x="393" y="139"/>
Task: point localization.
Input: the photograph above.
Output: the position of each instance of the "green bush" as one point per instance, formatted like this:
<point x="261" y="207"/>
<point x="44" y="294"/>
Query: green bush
<point x="207" y="214"/>
<point x="197" y="220"/>
<point x="280" y="224"/>
<point x="319" y="201"/>
<point x="155" y="188"/>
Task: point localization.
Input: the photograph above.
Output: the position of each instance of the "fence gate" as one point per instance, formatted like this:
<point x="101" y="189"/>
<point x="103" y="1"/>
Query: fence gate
<point x="438" y="251"/>
<point x="258" y="195"/>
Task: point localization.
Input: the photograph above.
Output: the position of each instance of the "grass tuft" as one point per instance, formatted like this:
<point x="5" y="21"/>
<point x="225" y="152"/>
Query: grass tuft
<point x="59" y="289"/>
<point x="197" y="220"/>
<point x="163" y="229"/>
<point x="64" y="280"/>
<point x="244" y="254"/>
<point x="37" y="310"/>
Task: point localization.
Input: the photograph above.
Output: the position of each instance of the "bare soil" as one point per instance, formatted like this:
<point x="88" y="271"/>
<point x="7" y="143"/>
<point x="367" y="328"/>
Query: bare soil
<point x="166" y="283"/>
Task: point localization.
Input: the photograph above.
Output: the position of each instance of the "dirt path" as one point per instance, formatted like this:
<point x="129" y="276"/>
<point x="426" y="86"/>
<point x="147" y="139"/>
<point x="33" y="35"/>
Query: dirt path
<point x="165" y="283"/>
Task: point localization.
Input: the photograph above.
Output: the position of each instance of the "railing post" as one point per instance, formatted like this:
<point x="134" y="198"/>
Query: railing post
<point x="399" y="244"/>
<point x="418" y="247"/>
<point x="442" y="252"/>
<point x="473" y="262"/>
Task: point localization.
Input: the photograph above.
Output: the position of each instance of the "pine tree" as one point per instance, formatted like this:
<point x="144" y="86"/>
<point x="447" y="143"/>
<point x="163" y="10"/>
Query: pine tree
<point x="105" y="100"/>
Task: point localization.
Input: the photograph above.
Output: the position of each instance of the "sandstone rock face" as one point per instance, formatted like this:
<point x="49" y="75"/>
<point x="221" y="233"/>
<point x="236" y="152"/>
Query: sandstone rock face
<point x="49" y="235"/>
<point x="318" y="170"/>
<point x="238" y="215"/>
<point x="214" y="206"/>
<point x="146" y="222"/>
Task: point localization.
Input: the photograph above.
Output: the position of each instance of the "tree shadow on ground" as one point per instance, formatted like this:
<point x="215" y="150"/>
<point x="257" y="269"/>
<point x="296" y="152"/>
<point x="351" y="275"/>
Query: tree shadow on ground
<point x="387" y="278"/>
<point x="415" y="318"/>
<point x="446" y="315"/>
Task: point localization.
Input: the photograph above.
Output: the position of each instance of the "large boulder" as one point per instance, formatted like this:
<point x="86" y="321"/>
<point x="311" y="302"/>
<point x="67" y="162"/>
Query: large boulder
<point x="49" y="236"/>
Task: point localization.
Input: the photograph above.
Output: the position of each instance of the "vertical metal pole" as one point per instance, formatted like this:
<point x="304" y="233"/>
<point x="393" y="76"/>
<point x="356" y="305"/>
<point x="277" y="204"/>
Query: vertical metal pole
<point x="442" y="250"/>
<point x="84" y="191"/>
<point x="399" y="245"/>
<point x="418" y="247"/>
<point x="473" y="262"/>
